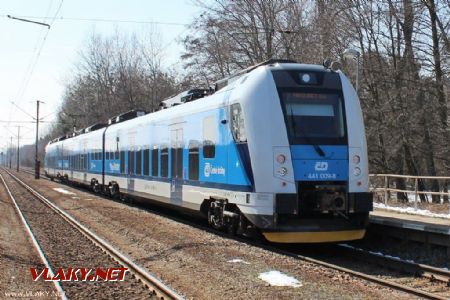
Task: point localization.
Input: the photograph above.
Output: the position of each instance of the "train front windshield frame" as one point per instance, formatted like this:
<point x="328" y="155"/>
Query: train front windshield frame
<point x="314" y="117"/>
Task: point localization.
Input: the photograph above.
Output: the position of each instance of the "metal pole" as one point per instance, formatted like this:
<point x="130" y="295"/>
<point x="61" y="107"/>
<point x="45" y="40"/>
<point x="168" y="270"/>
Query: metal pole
<point x="385" y="189"/>
<point x="10" y="153"/>
<point x="36" y="161"/>
<point x="415" y="193"/>
<point x="18" y="147"/>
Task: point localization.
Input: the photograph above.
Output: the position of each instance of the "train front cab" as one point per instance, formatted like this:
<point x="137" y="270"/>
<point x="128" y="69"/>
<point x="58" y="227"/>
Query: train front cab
<point x="328" y="157"/>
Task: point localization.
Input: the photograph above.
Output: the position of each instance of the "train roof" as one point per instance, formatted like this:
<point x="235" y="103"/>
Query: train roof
<point x="194" y="94"/>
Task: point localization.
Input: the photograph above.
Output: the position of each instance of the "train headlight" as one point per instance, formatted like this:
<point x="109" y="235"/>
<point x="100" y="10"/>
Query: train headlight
<point x="281" y="159"/>
<point x="356" y="159"/>
<point x="283" y="171"/>
<point x="356" y="171"/>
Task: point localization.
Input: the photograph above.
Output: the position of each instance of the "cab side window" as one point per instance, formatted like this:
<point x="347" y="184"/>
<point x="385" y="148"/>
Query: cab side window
<point x="237" y="123"/>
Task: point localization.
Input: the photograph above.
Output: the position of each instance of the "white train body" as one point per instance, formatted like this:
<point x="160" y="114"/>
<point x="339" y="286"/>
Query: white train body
<point x="281" y="148"/>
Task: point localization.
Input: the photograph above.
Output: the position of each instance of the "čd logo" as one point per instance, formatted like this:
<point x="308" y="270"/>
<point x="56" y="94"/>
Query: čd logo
<point x="321" y="166"/>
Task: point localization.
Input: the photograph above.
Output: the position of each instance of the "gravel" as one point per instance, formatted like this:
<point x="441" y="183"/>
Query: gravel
<point x="196" y="262"/>
<point x="65" y="247"/>
<point x="17" y="254"/>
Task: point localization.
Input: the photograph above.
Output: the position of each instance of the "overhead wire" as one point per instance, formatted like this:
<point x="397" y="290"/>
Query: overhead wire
<point x="29" y="67"/>
<point x="33" y="62"/>
<point x="106" y="20"/>
<point x="35" y="59"/>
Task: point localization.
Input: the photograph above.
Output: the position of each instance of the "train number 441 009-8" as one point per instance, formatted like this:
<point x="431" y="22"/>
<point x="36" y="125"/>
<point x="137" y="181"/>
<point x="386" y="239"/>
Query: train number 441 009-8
<point x="322" y="176"/>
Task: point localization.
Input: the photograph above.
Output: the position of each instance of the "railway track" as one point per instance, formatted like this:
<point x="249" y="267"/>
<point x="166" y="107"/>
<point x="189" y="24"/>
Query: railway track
<point x="420" y="270"/>
<point x="157" y="289"/>
<point x="422" y="278"/>
<point x="416" y="279"/>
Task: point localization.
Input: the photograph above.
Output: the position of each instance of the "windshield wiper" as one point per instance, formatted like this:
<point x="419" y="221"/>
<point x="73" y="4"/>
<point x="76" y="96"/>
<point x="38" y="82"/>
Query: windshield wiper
<point x="308" y="139"/>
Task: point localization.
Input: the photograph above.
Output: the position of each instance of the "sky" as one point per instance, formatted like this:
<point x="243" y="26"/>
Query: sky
<point x="36" y="61"/>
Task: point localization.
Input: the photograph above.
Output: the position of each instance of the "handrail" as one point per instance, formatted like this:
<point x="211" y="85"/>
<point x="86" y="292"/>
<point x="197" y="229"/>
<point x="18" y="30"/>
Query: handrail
<point x="409" y="176"/>
<point x="416" y="191"/>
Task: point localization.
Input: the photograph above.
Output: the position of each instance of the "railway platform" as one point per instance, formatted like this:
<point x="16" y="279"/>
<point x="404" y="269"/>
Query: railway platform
<point x="430" y="231"/>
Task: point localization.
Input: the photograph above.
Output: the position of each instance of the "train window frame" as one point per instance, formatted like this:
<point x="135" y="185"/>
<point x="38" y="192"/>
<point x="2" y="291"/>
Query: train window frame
<point x="194" y="160"/>
<point x="164" y="154"/>
<point x="131" y="162"/>
<point x="155" y="161"/>
<point x="209" y="149"/>
<point x="82" y="162"/>
<point x="122" y="161"/>
<point x="176" y="161"/>
<point x="146" y="162"/>
<point x="138" y="158"/>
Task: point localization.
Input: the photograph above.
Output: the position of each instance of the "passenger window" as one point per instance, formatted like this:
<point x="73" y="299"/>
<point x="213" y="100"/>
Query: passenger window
<point x="122" y="162"/>
<point x="130" y="162"/>
<point x="138" y="162"/>
<point x="164" y="162"/>
<point x="146" y="162"/>
<point x="155" y="162"/>
<point x="209" y="149"/>
<point x="194" y="148"/>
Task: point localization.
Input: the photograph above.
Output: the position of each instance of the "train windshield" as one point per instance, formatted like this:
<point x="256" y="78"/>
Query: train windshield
<point x="314" y="118"/>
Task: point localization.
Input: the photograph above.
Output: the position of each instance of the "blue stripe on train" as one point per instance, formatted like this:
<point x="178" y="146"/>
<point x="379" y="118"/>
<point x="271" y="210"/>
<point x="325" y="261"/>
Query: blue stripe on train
<point x="214" y="185"/>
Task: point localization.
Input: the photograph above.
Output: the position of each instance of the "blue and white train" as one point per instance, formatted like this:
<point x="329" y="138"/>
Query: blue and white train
<point x="278" y="149"/>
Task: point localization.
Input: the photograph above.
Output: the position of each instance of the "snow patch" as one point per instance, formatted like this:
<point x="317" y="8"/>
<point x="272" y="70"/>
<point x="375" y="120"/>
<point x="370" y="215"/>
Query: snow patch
<point x="377" y="253"/>
<point x="276" y="278"/>
<point x="238" y="260"/>
<point x="63" y="191"/>
<point x="411" y="211"/>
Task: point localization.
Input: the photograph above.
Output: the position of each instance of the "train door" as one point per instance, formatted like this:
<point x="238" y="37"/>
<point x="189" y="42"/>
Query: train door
<point x="176" y="183"/>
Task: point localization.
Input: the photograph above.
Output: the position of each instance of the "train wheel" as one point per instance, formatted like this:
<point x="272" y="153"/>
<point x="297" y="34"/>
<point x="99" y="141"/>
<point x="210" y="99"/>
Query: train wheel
<point x="224" y="216"/>
<point x="106" y="191"/>
<point x="215" y="215"/>
<point x="114" y="191"/>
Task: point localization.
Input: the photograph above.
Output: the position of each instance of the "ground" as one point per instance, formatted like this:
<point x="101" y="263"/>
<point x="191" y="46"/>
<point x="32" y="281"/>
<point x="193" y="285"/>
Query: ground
<point x="197" y="263"/>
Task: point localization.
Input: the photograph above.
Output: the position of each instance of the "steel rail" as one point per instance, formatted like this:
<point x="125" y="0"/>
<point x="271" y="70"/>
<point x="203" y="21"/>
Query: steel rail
<point x="161" y="290"/>
<point x="426" y="271"/>
<point x="374" y="279"/>
<point x="34" y="240"/>
<point x="409" y="176"/>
